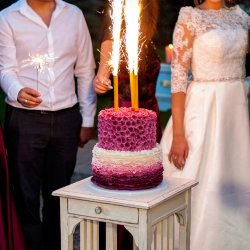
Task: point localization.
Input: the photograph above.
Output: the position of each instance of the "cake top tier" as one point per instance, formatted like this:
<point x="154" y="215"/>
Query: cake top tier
<point x="127" y="130"/>
<point x="126" y="113"/>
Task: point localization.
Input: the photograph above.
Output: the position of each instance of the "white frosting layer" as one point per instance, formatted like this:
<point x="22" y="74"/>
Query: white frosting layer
<point x="114" y="158"/>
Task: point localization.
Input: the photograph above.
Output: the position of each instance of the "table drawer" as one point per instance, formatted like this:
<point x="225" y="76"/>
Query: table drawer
<point x="103" y="211"/>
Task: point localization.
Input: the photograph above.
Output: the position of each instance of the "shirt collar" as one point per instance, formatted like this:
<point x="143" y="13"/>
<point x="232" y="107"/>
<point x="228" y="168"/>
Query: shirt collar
<point x="23" y="5"/>
<point x="26" y="10"/>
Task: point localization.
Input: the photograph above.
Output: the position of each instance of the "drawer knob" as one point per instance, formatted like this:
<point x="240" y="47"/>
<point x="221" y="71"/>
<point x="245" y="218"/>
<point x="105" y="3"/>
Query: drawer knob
<point x="98" y="210"/>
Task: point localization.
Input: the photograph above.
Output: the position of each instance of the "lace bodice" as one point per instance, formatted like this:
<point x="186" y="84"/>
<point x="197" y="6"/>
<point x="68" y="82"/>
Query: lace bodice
<point x="212" y="42"/>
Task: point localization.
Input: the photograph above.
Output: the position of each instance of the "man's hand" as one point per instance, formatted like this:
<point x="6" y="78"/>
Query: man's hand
<point x="29" y="98"/>
<point x="86" y="134"/>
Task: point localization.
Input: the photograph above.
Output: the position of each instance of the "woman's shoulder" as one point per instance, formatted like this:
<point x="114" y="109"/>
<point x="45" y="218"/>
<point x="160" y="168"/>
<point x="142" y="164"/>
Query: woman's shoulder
<point x="186" y="13"/>
<point x="245" y="18"/>
<point x="186" y="9"/>
<point x="240" y="11"/>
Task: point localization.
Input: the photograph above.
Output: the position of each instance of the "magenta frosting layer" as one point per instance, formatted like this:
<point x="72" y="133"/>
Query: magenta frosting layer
<point x="127" y="130"/>
<point x="128" y="179"/>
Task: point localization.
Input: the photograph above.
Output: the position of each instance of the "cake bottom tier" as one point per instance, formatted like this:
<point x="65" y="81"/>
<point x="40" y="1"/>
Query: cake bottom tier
<point x="125" y="170"/>
<point x="128" y="179"/>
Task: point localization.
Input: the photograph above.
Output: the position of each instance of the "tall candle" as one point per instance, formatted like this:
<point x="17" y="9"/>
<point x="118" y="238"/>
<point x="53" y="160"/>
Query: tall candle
<point x="136" y="94"/>
<point x="169" y="53"/>
<point x="116" y="93"/>
<point x="132" y="87"/>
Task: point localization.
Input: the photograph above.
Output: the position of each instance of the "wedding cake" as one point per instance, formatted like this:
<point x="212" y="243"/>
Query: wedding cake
<point x="127" y="156"/>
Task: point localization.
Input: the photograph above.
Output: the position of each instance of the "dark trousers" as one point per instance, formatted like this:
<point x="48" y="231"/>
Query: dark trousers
<point x="42" y="149"/>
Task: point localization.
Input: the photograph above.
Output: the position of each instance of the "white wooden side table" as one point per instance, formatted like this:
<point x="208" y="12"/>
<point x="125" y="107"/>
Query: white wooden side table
<point x="146" y="214"/>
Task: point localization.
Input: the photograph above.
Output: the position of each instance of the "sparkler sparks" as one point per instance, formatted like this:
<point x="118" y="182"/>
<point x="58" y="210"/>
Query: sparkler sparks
<point x="132" y="18"/>
<point x="116" y="17"/>
<point x="132" y="10"/>
<point x="39" y="62"/>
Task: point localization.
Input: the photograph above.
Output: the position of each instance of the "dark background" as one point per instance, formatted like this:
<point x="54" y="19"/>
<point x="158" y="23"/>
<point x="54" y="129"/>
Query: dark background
<point x="169" y="9"/>
<point x="92" y="10"/>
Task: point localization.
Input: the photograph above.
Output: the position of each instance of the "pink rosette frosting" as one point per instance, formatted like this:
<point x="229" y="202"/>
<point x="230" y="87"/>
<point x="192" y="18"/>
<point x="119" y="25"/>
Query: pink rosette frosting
<point x="129" y="178"/>
<point x="127" y="156"/>
<point x="126" y="170"/>
<point x="127" y="130"/>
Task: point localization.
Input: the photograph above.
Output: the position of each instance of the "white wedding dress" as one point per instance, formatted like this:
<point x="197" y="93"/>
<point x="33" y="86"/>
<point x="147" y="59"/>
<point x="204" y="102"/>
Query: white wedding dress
<point x="216" y="124"/>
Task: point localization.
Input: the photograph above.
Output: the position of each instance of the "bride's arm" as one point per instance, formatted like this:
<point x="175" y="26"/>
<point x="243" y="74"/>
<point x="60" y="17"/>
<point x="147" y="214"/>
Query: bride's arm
<point x="183" y="42"/>
<point x="101" y="82"/>
<point x="179" y="149"/>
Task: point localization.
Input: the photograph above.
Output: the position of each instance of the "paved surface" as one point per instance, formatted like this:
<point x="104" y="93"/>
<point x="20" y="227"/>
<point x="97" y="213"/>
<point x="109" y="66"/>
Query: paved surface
<point x="83" y="163"/>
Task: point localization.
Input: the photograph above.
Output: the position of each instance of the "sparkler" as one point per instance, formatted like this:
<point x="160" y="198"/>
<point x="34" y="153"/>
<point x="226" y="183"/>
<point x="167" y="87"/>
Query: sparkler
<point x="132" y="12"/>
<point x="116" y="17"/>
<point x="39" y="62"/>
<point x="132" y="18"/>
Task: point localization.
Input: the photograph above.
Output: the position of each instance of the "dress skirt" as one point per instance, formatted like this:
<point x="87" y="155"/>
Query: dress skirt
<point x="11" y="236"/>
<point x="218" y="134"/>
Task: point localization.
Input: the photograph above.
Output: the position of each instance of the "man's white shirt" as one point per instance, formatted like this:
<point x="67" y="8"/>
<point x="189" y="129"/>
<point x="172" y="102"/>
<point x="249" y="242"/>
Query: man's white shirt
<point x="66" y="51"/>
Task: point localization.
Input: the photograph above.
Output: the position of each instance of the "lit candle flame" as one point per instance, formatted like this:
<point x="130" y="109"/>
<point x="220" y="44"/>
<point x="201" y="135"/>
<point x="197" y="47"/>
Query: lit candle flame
<point x="116" y="18"/>
<point x="169" y="53"/>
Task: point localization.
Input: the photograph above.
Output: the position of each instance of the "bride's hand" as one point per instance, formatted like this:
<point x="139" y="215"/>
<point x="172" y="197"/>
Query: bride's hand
<point x="102" y="85"/>
<point x="179" y="151"/>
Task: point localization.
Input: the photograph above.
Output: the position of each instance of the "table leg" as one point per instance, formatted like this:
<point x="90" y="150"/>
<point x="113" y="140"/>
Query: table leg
<point x="134" y="246"/>
<point x="184" y="218"/>
<point x="145" y="230"/>
<point x="66" y="236"/>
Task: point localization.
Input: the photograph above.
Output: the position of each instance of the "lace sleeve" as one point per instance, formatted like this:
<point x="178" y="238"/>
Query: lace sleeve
<point x="183" y="41"/>
<point x="245" y="17"/>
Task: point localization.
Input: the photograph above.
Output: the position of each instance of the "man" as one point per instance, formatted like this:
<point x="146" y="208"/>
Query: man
<point x="44" y="46"/>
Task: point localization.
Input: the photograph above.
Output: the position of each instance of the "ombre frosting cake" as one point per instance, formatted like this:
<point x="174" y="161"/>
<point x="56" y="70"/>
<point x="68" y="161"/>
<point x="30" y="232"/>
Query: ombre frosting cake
<point x="127" y="156"/>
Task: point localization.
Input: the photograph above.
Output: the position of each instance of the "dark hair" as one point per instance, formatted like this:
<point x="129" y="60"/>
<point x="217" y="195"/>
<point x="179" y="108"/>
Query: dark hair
<point x="228" y="3"/>
<point x="197" y="2"/>
<point x="149" y="18"/>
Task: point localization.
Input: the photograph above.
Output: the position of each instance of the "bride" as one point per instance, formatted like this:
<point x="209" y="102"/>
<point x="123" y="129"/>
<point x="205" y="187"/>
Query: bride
<point x="208" y="135"/>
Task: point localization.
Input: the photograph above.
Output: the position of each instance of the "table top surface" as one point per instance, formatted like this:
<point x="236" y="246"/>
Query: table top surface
<point x="88" y="191"/>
